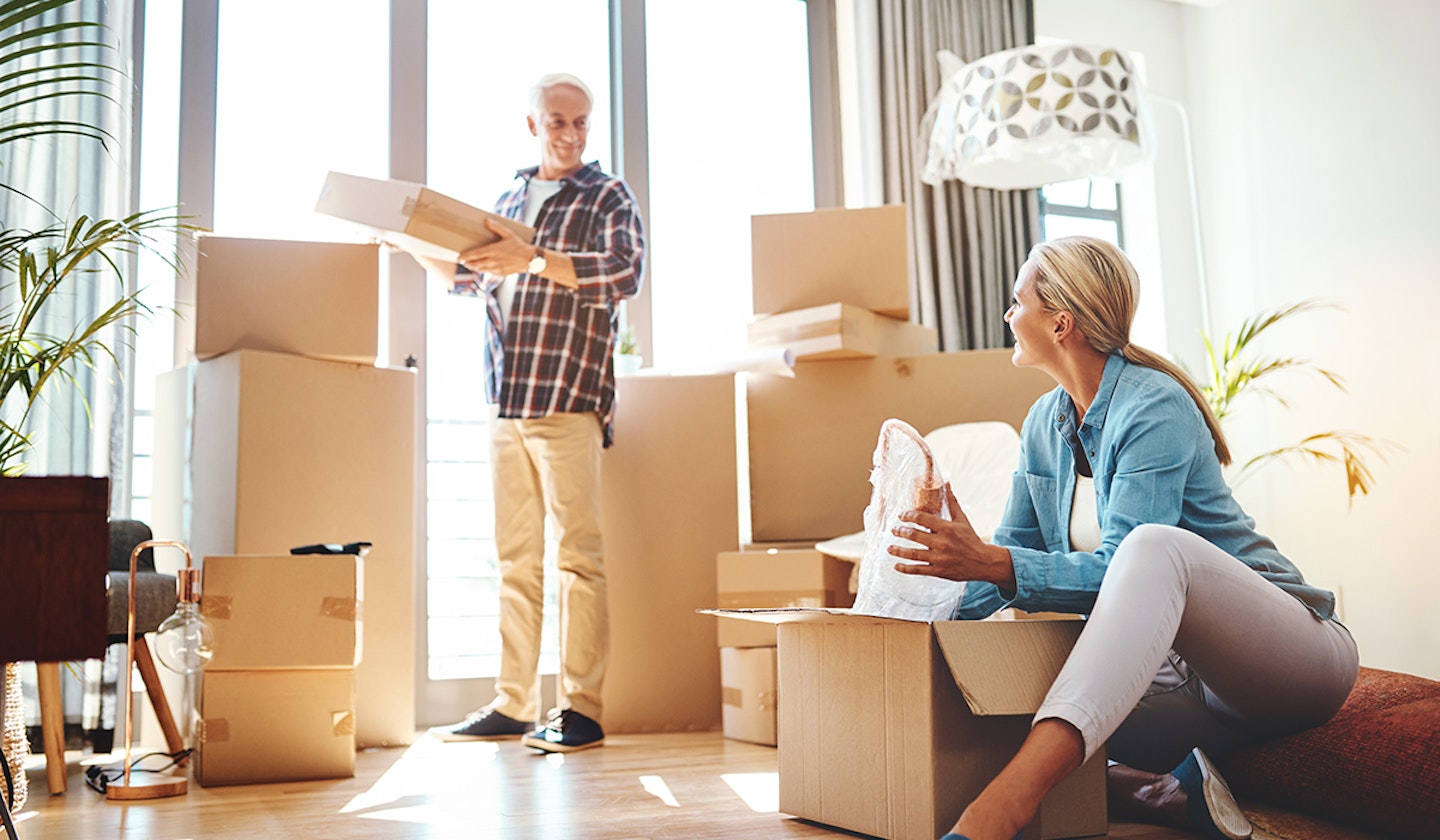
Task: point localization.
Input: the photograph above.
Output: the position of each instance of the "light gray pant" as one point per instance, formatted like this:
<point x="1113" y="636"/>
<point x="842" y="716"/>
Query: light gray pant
<point x="1187" y="646"/>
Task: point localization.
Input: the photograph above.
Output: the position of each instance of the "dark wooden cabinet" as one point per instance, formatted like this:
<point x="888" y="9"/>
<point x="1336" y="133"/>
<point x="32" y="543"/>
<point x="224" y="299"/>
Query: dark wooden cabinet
<point x="54" y="555"/>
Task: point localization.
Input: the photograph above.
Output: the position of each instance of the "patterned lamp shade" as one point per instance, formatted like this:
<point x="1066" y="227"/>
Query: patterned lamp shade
<point x="1036" y="115"/>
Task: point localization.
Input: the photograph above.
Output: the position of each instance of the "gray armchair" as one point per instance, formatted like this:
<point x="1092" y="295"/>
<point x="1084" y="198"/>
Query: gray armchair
<point x="154" y="602"/>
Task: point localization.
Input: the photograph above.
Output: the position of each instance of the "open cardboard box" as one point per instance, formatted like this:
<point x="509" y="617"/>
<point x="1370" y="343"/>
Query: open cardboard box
<point x="891" y="727"/>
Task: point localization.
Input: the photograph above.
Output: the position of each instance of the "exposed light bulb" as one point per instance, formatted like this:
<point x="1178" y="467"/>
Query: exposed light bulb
<point x="185" y="642"/>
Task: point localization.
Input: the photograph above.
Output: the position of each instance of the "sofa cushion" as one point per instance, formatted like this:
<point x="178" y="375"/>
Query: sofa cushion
<point x="1375" y="765"/>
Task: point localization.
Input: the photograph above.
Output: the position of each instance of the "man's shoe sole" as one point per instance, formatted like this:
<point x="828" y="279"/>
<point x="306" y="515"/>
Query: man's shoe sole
<point x="550" y="746"/>
<point x="451" y="737"/>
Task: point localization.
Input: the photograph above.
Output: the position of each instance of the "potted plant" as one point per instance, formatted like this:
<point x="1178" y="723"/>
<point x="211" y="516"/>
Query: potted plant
<point x="627" y="352"/>
<point x="1234" y="368"/>
<point x="47" y="55"/>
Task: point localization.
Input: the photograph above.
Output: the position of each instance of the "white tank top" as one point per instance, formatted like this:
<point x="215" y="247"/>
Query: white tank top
<point x="1084" y="519"/>
<point x="535" y="196"/>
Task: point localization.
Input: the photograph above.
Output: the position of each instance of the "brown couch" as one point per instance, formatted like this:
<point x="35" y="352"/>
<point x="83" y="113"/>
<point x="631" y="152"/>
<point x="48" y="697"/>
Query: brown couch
<point x="1375" y="765"/>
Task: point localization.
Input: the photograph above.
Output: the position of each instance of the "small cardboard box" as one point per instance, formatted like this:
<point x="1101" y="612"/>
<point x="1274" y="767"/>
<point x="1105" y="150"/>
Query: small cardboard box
<point x="318" y="299"/>
<point x="747" y="694"/>
<point x="775" y="578"/>
<point x="283" y="610"/>
<point x="412" y="215"/>
<point x="841" y="331"/>
<point x="892" y="727"/>
<point x="275" y="726"/>
<point x="856" y="256"/>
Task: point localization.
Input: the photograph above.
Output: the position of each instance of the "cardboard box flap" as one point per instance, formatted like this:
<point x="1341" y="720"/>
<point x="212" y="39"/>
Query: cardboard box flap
<point x="1006" y="667"/>
<point x="811" y="615"/>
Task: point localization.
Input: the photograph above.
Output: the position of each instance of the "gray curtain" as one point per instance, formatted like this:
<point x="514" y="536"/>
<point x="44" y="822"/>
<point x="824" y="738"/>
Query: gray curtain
<point x="62" y="178"/>
<point x="967" y="243"/>
<point x="67" y="177"/>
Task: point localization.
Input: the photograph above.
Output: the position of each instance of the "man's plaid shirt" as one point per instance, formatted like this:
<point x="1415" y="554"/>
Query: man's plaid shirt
<point x="555" y="353"/>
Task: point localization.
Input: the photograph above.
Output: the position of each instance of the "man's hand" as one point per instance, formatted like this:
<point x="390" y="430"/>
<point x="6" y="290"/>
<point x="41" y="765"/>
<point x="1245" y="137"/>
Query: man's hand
<point x="509" y="255"/>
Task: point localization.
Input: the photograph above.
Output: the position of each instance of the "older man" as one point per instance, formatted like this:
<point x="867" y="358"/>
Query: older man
<point x="551" y="326"/>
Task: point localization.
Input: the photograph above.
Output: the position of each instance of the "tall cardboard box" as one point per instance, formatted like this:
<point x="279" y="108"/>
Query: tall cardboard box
<point x="669" y="503"/>
<point x="288" y="451"/>
<point x="275" y="726"/>
<point x="792" y="577"/>
<point x="840" y="331"/>
<point x="319" y="299"/>
<point x="891" y="728"/>
<point x="858" y="256"/>
<point x="748" y="695"/>
<point x="283" y="611"/>
<point x="811" y="438"/>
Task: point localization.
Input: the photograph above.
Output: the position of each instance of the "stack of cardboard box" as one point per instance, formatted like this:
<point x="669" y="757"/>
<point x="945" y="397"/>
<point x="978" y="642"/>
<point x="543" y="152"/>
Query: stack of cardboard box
<point x="284" y="433"/>
<point x="279" y="694"/>
<point x="833" y="284"/>
<point x="885" y="727"/>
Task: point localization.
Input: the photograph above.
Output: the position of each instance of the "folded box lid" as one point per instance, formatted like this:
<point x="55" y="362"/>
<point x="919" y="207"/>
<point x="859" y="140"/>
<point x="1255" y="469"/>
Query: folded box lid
<point x="1001" y="667"/>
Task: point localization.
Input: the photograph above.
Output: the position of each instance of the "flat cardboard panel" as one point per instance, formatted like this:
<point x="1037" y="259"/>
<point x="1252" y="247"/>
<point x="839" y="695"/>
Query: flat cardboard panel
<point x="411" y="215"/>
<point x="856" y="256"/>
<point x="1002" y="672"/>
<point x="670" y="503"/>
<point x="289" y="451"/>
<point x="319" y="299"/>
<point x="275" y="726"/>
<point x="747" y="694"/>
<point x="775" y="578"/>
<point x="840" y="331"/>
<point x="283" y="611"/>
<point x="811" y="438"/>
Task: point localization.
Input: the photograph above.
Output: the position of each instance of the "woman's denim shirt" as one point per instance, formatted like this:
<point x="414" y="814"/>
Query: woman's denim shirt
<point x="1153" y="460"/>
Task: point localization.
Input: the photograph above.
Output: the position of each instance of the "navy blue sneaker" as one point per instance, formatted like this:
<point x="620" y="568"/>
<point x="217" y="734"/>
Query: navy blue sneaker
<point x="566" y="731"/>
<point x="1209" y="804"/>
<point x="480" y="725"/>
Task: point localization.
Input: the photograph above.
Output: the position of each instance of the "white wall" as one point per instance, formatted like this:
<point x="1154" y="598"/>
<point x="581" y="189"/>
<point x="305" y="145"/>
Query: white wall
<point x="1315" y="127"/>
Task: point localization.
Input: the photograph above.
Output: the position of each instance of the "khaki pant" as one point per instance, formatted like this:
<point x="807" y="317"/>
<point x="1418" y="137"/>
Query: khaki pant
<point x="549" y="465"/>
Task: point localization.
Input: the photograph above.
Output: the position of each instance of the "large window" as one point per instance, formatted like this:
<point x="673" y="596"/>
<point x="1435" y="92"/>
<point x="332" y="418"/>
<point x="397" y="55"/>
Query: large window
<point x="725" y="145"/>
<point x="1089" y="207"/>
<point x="477" y="139"/>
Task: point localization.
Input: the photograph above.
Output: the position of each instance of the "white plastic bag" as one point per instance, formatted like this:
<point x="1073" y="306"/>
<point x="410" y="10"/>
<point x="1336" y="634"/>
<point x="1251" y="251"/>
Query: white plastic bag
<point x="905" y="477"/>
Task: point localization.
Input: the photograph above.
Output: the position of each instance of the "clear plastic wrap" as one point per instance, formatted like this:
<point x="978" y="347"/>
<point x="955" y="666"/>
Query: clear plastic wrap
<point x="905" y="477"/>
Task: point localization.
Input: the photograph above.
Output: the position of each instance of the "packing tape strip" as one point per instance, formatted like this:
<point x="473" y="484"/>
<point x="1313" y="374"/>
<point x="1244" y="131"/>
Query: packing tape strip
<point x="342" y="722"/>
<point x="217" y="606"/>
<point x="341" y="608"/>
<point x="213" y="730"/>
<point x="732" y="696"/>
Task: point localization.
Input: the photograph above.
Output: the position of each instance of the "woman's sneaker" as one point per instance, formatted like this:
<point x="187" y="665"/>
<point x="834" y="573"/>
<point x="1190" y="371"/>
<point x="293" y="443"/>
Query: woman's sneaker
<point x="481" y="724"/>
<point x="566" y="731"/>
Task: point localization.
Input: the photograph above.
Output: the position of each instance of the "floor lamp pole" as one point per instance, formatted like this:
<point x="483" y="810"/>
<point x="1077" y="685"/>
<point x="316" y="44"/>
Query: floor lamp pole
<point x="1202" y="285"/>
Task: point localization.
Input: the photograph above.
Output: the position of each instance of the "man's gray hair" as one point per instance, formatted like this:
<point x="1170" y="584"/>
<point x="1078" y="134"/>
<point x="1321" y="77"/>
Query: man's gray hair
<point x="550" y="80"/>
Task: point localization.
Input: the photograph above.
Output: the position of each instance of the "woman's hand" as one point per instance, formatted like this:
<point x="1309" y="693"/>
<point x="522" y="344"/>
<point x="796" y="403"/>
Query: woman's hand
<point x="951" y="548"/>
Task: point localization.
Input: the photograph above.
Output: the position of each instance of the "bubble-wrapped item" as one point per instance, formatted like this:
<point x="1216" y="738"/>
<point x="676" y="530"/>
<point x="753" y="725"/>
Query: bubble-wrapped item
<point x="905" y="477"/>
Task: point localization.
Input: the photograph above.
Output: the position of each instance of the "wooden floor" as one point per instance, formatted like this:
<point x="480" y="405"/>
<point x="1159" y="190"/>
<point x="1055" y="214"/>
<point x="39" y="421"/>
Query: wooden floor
<point x="697" y="785"/>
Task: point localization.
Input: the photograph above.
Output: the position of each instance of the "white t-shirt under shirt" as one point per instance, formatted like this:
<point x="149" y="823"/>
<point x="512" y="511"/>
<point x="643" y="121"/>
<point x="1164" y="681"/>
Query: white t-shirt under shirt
<point x="1084" y="518"/>
<point x="535" y="197"/>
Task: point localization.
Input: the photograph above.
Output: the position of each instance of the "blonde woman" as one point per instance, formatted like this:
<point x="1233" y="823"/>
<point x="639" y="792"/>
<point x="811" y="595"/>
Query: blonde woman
<point x="1201" y="635"/>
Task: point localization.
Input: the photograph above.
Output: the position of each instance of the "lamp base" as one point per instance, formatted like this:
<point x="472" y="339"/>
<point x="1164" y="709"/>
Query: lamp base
<point x="146" y="785"/>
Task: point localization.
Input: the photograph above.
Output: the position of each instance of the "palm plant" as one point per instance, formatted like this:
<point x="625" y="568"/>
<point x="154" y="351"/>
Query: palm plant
<point x="1235" y="368"/>
<point x="38" y="68"/>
